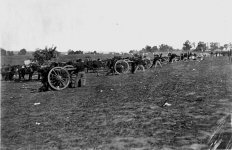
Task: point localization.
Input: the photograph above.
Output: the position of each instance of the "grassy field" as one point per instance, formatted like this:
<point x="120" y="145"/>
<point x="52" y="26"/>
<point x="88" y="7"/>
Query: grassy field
<point x="14" y="60"/>
<point x="123" y="111"/>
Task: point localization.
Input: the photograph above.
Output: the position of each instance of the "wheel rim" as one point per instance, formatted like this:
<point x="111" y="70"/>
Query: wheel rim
<point x="121" y="66"/>
<point x="69" y="67"/>
<point x="58" y="78"/>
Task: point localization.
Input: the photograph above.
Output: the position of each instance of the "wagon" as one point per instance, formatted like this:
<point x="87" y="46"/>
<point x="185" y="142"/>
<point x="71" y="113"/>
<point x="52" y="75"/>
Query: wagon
<point x="60" y="78"/>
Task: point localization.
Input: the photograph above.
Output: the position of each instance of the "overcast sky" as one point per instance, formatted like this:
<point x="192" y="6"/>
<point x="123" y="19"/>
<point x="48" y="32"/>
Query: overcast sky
<point x="112" y="25"/>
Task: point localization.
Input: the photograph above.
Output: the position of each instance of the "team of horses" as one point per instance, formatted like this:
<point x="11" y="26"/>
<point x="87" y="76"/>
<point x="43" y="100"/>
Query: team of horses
<point x="8" y="72"/>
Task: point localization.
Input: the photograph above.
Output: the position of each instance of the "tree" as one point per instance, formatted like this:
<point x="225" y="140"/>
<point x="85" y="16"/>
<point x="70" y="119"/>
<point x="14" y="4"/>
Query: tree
<point x="187" y="46"/>
<point x="22" y="52"/>
<point x="94" y="52"/>
<point x="79" y="52"/>
<point x="165" y="47"/>
<point x="214" y="46"/>
<point x="154" y="49"/>
<point x="226" y="46"/>
<point x="193" y="44"/>
<point x="71" y="52"/>
<point x="143" y="50"/>
<point x="148" y="48"/>
<point x="221" y="47"/>
<point x="10" y="53"/>
<point x="42" y="55"/>
<point x="3" y="52"/>
<point x="133" y="51"/>
<point x="201" y="46"/>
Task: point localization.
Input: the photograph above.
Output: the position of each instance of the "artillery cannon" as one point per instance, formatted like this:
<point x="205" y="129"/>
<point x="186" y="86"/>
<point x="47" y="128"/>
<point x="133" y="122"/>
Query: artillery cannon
<point x="59" y="78"/>
<point x="123" y="66"/>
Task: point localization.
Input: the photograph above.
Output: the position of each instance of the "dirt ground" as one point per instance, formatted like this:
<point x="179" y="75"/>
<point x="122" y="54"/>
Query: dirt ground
<point x="178" y="106"/>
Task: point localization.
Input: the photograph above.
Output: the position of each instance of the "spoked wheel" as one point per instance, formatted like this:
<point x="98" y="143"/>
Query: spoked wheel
<point x="121" y="66"/>
<point x="58" y="78"/>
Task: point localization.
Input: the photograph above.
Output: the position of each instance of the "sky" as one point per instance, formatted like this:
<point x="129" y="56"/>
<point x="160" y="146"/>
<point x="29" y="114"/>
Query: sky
<point x="112" y="25"/>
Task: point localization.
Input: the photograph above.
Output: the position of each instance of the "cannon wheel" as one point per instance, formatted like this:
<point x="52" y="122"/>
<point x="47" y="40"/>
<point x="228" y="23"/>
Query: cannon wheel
<point x="121" y="66"/>
<point x="58" y="78"/>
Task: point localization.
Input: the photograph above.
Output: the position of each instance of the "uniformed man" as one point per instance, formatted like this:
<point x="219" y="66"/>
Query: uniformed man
<point x="44" y="71"/>
<point x="156" y="61"/>
<point x="44" y="74"/>
<point x="230" y="55"/>
<point x="80" y="71"/>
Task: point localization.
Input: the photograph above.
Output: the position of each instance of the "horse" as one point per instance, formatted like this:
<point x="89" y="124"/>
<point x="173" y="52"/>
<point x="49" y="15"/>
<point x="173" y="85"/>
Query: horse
<point x="94" y="65"/>
<point x="8" y="72"/>
<point x="30" y="70"/>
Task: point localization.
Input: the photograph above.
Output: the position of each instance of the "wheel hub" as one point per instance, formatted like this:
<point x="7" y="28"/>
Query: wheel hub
<point x="59" y="77"/>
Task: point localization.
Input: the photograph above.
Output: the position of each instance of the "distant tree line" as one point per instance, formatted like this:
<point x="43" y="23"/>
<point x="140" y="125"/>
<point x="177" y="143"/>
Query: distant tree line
<point x="94" y="52"/>
<point x="153" y="49"/>
<point x="11" y="53"/>
<point x="202" y="46"/>
<point x="72" y="52"/>
<point x="187" y="45"/>
<point x="6" y="53"/>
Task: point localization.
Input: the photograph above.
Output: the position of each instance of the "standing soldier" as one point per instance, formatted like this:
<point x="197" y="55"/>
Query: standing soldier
<point x="80" y="71"/>
<point x="133" y="65"/>
<point x="139" y="63"/>
<point x="181" y="56"/>
<point x="229" y="54"/>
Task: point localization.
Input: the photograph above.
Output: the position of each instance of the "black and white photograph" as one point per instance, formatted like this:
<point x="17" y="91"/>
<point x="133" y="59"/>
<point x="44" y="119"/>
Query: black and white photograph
<point x="116" y="74"/>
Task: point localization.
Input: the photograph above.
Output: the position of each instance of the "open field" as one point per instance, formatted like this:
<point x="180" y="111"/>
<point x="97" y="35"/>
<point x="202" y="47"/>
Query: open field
<point x="15" y="60"/>
<point x="123" y="111"/>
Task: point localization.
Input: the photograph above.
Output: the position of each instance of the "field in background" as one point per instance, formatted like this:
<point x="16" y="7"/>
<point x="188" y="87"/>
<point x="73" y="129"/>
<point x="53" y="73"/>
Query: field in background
<point x="14" y="60"/>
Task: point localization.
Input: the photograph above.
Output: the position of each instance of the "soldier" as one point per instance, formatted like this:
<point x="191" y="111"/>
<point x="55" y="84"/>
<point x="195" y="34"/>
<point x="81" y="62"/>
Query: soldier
<point x="44" y="71"/>
<point x="156" y="60"/>
<point x="172" y="58"/>
<point x="44" y="74"/>
<point x="229" y="54"/>
<point x="182" y="56"/>
<point x="80" y="71"/>
<point x="133" y="66"/>
<point x="137" y="63"/>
